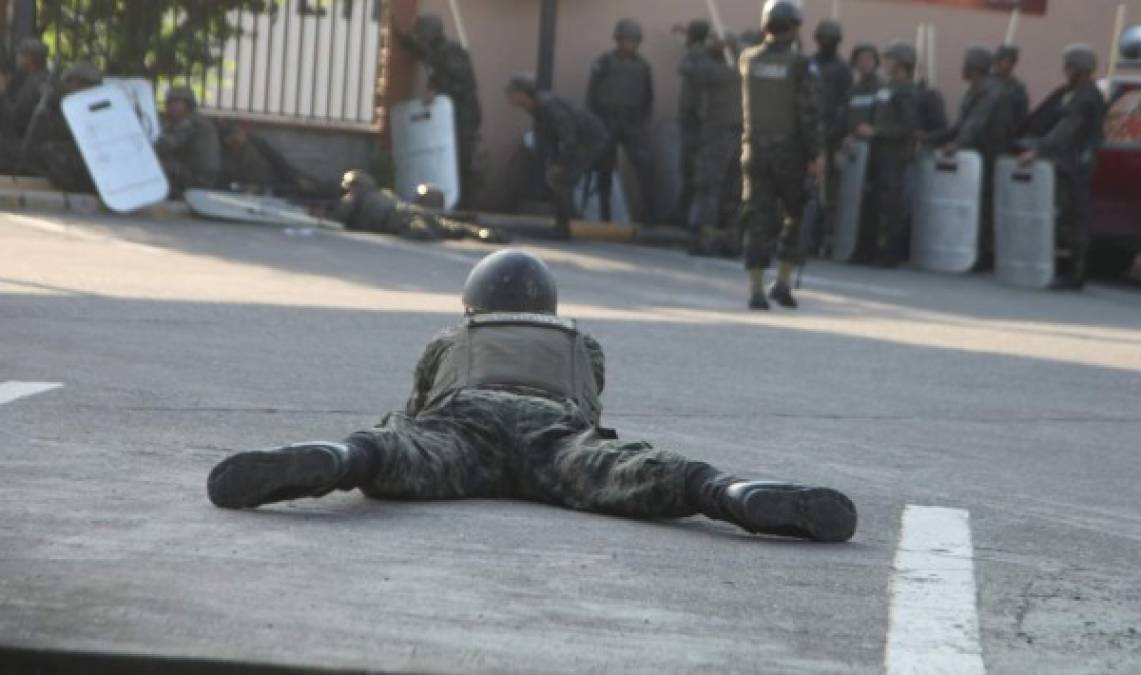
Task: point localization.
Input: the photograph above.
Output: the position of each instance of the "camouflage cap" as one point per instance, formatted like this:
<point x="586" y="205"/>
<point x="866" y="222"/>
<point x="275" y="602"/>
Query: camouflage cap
<point x="182" y="94"/>
<point x="829" y="30"/>
<point x="628" y="29"/>
<point x="84" y="72"/>
<point x="428" y="27"/>
<point x="1080" y="56"/>
<point x="902" y="53"/>
<point x="978" y="59"/>
<point x="522" y="83"/>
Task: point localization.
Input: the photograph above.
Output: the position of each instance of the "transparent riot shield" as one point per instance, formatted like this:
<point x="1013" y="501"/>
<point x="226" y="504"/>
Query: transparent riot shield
<point x="853" y="167"/>
<point x="424" y="148"/>
<point x="945" y="229"/>
<point x="1025" y="216"/>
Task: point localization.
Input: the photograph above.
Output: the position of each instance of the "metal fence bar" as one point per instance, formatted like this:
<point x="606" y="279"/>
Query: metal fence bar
<point x="333" y="19"/>
<point x="253" y="60"/>
<point x="350" y="9"/>
<point x="270" y="26"/>
<point x="299" y="70"/>
<point x="360" y="67"/>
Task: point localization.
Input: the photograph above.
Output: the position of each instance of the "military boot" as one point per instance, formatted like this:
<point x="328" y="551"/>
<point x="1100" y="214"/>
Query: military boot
<point x="790" y="510"/>
<point x="757" y="298"/>
<point x="250" y="479"/>
<point x="781" y="293"/>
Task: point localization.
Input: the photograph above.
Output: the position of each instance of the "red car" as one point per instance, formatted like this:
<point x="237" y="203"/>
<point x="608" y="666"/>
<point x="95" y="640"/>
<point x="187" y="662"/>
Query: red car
<point x="1115" y="221"/>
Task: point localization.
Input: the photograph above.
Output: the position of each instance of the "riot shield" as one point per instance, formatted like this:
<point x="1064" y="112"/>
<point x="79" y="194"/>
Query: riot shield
<point x="945" y="229"/>
<point x="240" y="208"/>
<point x="116" y="150"/>
<point x="1025" y="216"/>
<point x="853" y="167"/>
<point x="141" y="93"/>
<point x="424" y="148"/>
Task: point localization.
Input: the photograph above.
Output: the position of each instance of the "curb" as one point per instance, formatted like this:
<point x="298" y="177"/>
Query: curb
<point x="30" y="194"/>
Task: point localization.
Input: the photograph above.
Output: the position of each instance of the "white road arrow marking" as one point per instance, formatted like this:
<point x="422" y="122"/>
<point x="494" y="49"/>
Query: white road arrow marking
<point x="10" y="391"/>
<point x="934" y="617"/>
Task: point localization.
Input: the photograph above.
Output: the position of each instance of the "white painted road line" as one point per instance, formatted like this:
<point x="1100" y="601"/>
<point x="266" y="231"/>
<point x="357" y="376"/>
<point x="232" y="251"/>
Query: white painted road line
<point x="934" y="624"/>
<point x="10" y="391"/>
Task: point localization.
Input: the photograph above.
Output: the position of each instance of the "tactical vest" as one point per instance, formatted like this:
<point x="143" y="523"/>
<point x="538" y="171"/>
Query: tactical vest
<point x="530" y="352"/>
<point x="862" y="103"/>
<point x="622" y="83"/>
<point x="770" y="94"/>
<point x="721" y="103"/>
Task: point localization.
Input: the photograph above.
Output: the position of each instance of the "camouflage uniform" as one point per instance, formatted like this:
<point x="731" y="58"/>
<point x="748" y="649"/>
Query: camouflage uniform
<point x="571" y="141"/>
<point x="190" y="152"/>
<point x="450" y="72"/>
<point x="931" y="110"/>
<point x="774" y="160"/>
<point x="245" y="167"/>
<point x="835" y="86"/>
<point x="717" y="178"/>
<point x="895" y="124"/>
<point x="621" y="94"/>
<point x="689" y="118"/>
<point x="1069" y="130"/>
<point x="860" y="109"/>
<point x="380" y="210"/>
<point x="1015" y="101"/>
<point x="19" y="103"/>
<point x="511" y="442"/>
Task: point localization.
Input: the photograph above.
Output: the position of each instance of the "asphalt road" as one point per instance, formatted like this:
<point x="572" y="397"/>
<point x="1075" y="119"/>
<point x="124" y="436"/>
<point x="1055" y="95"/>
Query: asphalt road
<point x="177" y="343"/>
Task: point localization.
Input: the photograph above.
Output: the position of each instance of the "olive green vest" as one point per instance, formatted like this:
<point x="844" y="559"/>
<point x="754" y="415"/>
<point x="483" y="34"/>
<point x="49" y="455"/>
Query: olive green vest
<point x="770" y="93"/>
<point x="528" y="352"/>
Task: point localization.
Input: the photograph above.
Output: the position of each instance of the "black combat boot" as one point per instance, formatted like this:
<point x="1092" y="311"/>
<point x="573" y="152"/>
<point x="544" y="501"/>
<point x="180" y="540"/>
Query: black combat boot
<point x="781" y="293"/>
<point x="790" y="510"/>
<point x="758" y="301"/>
<point x="250" y="479"/>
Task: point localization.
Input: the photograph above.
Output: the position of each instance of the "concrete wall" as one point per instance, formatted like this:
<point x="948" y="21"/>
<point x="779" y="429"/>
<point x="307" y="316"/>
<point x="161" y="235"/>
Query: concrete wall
<point x="503" y="40"/>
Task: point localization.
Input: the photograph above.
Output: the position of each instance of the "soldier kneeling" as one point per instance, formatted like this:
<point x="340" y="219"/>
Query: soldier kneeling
<point x="507" y="405"/>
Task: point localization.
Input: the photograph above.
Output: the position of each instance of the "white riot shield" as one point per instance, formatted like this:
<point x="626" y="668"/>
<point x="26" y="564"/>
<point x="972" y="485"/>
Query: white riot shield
<point x="853" y="167"/>
<point x="1025" y="216"/>
<point x="945" y="228"/>
<point x="141" y="93"/>
<point x="116" y="150"/>
<point x="239" y="208"/>
<point x="424" y="148"/>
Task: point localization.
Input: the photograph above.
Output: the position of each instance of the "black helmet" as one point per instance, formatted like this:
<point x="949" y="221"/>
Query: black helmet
<point x="428" y="28"/>
<point x="522" y="83"/>
<point x="697" y="31"/>
<point x="429" y="196"/>
<point x="829" y="31"/>
<point x="781" y="16"/>
<point x="511" y="280"/>
<point x="902" y="53"/>
<point x="1007" y="52"/>
<point x="185" y="94"/>
<point x="1131" y="43"/>
<point x="628" y="29"/>
<point x="978" y="59"/>
<point x="1081" y="57"/>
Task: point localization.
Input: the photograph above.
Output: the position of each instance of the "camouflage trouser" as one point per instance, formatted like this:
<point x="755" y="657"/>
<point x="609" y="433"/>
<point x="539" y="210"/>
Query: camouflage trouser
<point x="491" y="444"/>
<point x="636" y="144"/>
<point x="183" y="177"/>
<point x="773" y="197"/>
<point x="717" y="190"/>
<point x="63" y="166"/>
<point x="888" y="167"/>
<point x="1073" y="202"/>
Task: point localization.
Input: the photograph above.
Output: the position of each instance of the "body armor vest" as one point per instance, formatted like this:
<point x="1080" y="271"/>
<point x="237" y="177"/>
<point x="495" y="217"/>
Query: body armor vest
<point x="862" y="103"/>
<point x="529" y="353"/>
<point x="623" y="84"/>
<point x="770" y="94"/>
<point x="721" y="104"/>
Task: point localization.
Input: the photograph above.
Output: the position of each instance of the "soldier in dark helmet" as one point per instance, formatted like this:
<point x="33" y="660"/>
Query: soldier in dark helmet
<point x="450" y="73"/>
<point x="892" y="133"/>
<point x="1068" y="129"/>
<point x="782" y="145"/>
<point x="688" y="114"/>
<point x="1012" y="90"/>
<point x="570" y="141"/>
<point x="507" y="405"/>
<point x="188" y="147"/>
<point x="20" y="94"/>
<point x="835" y="86"/>
<point x="860" y="109"/>
<point x="367" y="207"/>
<point x="54" y="151"/>
<point x="621" y="93"/>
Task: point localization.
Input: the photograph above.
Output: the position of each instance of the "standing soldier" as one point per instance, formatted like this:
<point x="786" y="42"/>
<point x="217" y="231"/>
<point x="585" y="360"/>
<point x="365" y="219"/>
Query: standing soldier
<point x="570" y="141"/>
<point x="1015" y="99"/>
<point x="507" y="404"/>
<point x="717" y="178"/>
<point x="696" y="54"/>
<point x="621" y="94"/>
<point x="188" y="147"/>
<point x="835" y="85"/>
<point x="892" y="135"/>
<point x="781" y="148"/>
<point x="20" y="95"/>
<point x="981" y="127"/>
<point x="859" y="110"/>
<point x="450" y="73"/>
<point x="1069" y="131"/>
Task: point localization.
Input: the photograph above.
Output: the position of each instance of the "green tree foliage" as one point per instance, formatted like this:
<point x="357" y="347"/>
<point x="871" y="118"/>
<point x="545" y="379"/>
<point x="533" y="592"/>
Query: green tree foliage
<point x="158" y="39"/>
